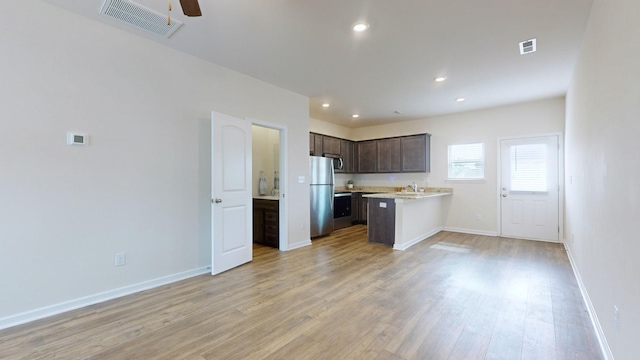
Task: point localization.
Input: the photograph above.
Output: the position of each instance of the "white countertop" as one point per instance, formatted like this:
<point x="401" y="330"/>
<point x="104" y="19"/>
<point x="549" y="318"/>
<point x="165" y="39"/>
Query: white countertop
<point x="267" y="197"/>
<point x="407" y="195"/>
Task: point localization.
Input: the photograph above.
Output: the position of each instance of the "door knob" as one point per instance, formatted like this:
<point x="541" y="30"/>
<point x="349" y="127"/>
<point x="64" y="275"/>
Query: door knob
<point x="504" y="195"/>
<point x="217" y="201"/>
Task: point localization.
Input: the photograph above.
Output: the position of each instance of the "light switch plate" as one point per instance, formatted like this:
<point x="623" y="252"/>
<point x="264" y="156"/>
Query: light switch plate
<point x="300" y="179"/>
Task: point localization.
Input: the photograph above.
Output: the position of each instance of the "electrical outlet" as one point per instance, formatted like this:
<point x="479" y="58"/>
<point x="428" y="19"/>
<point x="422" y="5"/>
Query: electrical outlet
<point x="616" y="318"/>
<point x="121" y="259"/>
<point x="573" y="237"/>
<point x="478" y="217"/>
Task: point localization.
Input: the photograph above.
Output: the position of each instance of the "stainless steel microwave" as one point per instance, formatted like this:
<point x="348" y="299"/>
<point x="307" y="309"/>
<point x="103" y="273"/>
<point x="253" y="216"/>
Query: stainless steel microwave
<point x="338" y="163"/>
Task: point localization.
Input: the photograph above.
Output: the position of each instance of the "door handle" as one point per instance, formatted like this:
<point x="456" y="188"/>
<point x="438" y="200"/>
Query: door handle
<point x="217" y="201"/>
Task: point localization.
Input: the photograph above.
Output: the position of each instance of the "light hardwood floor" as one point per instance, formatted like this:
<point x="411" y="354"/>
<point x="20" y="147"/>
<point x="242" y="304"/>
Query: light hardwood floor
<point x="452" y="296"/>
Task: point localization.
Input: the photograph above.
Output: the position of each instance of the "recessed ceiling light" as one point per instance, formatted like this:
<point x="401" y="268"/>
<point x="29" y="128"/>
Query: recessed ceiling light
<point x="360" y="27"/>
<point x="355" y="116"/>
<point x="460" y="99"/>
<point x="326" y="105"/>
<point x="440" y="79"/>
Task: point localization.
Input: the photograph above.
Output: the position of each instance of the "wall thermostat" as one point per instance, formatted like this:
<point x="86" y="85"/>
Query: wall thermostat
<point x="77" y="139"/>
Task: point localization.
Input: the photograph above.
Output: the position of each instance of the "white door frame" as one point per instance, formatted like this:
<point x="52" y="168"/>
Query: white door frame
<point x="283" y="223"/>
<point x="560" y="136"/>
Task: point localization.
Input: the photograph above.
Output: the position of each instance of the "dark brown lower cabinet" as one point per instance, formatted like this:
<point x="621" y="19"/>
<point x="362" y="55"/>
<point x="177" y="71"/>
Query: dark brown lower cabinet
<point x="382" y="221"/>
<point x="355" y="206"/>
<point x="266" y="222"/>
<point x="362" y="207"/>
<point x="358" y="208"/>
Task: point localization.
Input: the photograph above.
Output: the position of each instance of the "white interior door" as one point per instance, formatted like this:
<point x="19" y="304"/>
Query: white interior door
<point x="232" y="242"/>
<point x="529" y="188"/>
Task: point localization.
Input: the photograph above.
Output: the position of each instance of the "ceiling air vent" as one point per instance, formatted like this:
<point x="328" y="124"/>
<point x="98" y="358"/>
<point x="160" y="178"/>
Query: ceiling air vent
<point x="528" y="46"/>
<point x="140" y="17"/>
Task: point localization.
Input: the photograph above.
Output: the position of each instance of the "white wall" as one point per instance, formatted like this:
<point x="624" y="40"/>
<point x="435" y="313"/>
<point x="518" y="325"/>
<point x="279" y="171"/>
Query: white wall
<point x="327" y="128"/>
<point x="538" y="117"/>
<point x="143" y="185"/>
<point x="265" y="144"/>
<point x="603" y="170"/>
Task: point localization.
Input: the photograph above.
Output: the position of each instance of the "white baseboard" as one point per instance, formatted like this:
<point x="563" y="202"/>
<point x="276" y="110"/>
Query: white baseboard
<point x="602" y="340"/>
<point x="416" y="240"/>
<point x="46" y="311"/>
<point x="299" y="245"/>
<point x="471" y="231"/>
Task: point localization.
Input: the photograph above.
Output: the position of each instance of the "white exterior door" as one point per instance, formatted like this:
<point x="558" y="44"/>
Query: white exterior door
<point x="232" y="242"/>
<point x="529" y="188"/>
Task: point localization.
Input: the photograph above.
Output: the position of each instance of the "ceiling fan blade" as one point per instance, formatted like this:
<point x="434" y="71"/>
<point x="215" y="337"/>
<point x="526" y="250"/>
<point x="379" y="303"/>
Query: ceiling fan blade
<point x="191" y="7"/>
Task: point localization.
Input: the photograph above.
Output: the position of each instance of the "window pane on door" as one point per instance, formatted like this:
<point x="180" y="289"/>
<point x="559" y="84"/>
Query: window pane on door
<point x="529" y="167"/>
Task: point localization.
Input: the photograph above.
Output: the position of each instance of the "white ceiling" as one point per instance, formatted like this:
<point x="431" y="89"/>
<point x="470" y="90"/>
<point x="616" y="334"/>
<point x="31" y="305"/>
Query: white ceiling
<point x="308" y="47"/>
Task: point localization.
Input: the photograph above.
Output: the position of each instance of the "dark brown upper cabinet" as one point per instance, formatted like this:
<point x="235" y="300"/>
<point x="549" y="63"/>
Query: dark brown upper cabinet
<point x="367" y="156"/>
<point x="319" y="145"/>
<point x="346" y="152"/>
<point x="415" y="150"/>
<point x="331" y="145"/>
<point x="315" y="144"/>
<point x="389" y="155"/>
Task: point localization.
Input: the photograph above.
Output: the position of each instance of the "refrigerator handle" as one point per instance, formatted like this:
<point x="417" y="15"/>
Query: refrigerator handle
<point x="333" y="176"/>
<point x="333" y="197"/>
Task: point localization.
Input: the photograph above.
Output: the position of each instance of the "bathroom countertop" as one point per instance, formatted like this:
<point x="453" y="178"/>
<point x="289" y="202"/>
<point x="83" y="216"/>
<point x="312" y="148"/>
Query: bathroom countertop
<point x="267" y="197"/>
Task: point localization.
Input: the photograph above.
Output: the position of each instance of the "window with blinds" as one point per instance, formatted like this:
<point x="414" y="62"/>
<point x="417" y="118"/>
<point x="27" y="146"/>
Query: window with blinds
<point x="466" y="161"/>
<point x="529" y="167"/>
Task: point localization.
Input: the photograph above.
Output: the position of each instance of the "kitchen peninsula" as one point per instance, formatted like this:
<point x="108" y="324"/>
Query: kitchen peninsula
<point x="402" y="219"/>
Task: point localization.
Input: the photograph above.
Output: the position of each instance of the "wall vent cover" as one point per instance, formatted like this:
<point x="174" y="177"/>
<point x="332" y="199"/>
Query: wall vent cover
<point x="527" y="47"/>
<point x="140" y="17"/>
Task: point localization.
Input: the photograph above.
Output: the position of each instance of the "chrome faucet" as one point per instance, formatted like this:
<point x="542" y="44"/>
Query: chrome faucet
<point x="413" y="186"/>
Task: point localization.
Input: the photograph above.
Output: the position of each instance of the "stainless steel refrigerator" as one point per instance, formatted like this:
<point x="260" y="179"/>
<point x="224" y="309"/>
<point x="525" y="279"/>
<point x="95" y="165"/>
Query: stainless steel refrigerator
<point x="321" y="180"/>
